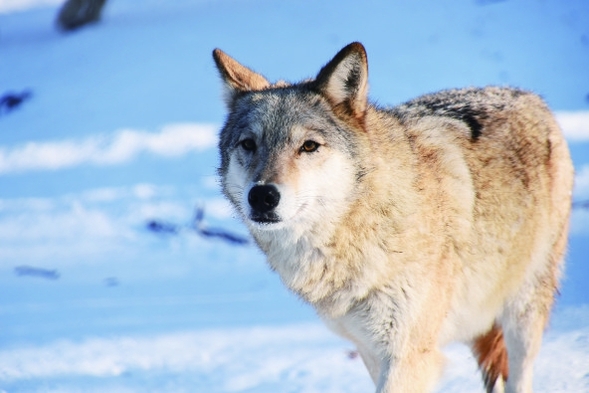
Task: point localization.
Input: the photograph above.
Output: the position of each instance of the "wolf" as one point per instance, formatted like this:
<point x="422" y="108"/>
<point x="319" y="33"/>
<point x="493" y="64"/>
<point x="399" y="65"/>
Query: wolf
<point x="439" y="220"/>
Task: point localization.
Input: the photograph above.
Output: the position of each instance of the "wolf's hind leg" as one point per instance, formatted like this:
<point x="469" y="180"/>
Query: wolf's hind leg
<point x="523" y="328"/>
<point x="491" y="354"/>
<point x="523" y="321"/>
<point x="525" y="316"/>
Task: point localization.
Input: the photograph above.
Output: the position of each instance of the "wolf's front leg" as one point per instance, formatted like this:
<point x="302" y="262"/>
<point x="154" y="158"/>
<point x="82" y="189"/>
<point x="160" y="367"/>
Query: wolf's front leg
<point x="413" y="371"/>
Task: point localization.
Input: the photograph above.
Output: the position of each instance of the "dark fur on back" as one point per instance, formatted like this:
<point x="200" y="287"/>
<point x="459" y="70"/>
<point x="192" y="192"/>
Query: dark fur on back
<point x="470" y="105"/>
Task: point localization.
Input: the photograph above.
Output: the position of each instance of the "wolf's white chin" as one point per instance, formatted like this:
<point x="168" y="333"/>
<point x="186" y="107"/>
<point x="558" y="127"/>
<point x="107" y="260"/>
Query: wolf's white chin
<point x="266" y="226"/>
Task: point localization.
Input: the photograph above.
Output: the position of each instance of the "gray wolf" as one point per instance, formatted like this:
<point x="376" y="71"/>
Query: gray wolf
<point x="442" y="219"/>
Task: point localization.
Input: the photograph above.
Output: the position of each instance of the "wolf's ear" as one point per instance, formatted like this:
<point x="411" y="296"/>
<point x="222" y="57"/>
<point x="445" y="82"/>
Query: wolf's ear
<point x="237" y="77"/>
<point x="344" y="80"/>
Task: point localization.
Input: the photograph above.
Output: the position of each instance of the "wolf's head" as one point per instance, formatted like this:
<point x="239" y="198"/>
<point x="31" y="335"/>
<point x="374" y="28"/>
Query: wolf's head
<point x="290" y="154"/>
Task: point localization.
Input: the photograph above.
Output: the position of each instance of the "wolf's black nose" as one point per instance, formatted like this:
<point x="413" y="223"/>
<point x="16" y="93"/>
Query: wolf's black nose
<point x="263" y="198"/>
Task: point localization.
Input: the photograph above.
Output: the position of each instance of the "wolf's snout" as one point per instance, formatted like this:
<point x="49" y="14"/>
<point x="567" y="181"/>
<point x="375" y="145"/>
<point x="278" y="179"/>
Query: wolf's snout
<point x="263" y="199"/>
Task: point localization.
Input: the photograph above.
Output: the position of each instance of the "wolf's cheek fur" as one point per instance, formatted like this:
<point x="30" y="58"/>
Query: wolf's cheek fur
<point x="324" y="184"/>
<point x="234" y="185"/>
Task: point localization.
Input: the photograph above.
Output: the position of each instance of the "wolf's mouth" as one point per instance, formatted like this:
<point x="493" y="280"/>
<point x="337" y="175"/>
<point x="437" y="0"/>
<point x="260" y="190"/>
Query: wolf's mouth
<point x="271" y="218"/>
<point x="265" y="218"/>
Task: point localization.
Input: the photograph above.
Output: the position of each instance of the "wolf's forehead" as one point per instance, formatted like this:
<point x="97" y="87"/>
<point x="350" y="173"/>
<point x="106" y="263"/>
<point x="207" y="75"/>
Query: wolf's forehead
<point x="284" y="111"/>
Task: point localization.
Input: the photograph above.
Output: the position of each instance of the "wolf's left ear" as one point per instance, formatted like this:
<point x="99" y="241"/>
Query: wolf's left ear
<point x="237" y="77"/>
<point x="344" y="80"/>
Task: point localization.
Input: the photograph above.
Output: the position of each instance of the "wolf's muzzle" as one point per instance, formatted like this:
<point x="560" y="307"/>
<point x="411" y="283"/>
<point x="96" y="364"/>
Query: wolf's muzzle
<point x="263" y="199"/>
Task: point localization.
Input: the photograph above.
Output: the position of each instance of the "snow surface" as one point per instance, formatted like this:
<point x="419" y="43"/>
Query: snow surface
<point x="120" y="129"/>
<point x="296" y="357"/>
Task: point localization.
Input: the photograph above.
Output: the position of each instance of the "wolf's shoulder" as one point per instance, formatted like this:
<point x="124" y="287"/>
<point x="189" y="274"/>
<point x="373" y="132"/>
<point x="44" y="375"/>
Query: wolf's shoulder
<point x="473" y="105"/>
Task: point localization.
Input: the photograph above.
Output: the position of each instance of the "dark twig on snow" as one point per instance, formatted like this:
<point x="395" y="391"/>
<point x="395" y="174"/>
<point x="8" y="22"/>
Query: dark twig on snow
<point x="222" y="234"/>
<point x="11" y="100"/>
<point x="25" y="270"/>
<point x="77" y="13"/>
<point x="198" y="225"/>
<point x="163" y="227"/>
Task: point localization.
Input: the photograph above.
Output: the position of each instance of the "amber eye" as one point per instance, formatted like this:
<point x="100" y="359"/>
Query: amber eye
<point x="248" y="145"/>
<point x="309" y="147"/>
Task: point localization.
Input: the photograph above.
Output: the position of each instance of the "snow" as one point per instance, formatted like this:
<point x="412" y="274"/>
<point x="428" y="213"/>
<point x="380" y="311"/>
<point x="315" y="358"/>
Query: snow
<point x="8" y="6"/>
<point x="296" y="357"/>
<point x="123" y="146"/>
<point x="575" y="124"/>
<point x="581" y="190"/>
<point x="120" y="129"/>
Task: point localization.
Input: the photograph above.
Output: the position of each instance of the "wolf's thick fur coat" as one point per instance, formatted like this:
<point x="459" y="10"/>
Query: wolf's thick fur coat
<point x="443" y="219"/>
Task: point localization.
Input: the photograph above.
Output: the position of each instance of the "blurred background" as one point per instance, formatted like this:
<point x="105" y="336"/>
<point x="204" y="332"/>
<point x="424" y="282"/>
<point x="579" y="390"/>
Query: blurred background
<point x="122" y="268"/>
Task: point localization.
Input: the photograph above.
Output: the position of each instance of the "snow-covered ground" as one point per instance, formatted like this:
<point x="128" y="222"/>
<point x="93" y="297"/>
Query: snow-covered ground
<point x="119" y="128"/>
<point x="292" y="358"/>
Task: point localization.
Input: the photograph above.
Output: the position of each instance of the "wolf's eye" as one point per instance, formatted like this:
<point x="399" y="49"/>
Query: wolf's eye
<point x="309" y="147"/>
<point x="248" y="144"/>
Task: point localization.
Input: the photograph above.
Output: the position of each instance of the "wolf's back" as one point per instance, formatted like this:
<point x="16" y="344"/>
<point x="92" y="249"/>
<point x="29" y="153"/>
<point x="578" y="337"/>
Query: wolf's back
<point x="520" y="169"/>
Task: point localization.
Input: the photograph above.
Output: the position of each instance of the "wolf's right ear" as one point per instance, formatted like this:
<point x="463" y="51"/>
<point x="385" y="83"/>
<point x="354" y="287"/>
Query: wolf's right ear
<point x="237" y="78"/>
<point x="344" y="80"/>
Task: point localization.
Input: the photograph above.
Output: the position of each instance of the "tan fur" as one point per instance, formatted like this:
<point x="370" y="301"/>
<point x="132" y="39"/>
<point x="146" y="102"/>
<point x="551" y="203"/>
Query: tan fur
<point x="440" y="234"/>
